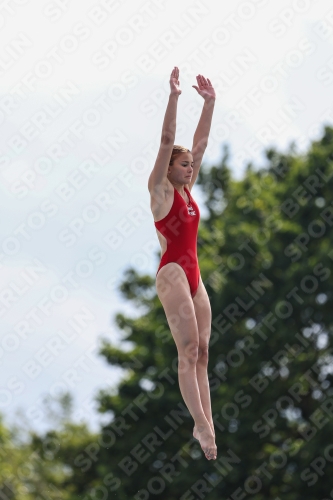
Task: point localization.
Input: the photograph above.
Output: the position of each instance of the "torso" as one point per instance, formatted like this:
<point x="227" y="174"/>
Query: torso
<point x="161" y="207"/>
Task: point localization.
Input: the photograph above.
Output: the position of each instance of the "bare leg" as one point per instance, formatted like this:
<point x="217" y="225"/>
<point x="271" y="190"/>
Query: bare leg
<point x="178" y="306"/>
<point x="203" y="383"/>
<point x="203" y="316"/>
<point x="189" y="388"/>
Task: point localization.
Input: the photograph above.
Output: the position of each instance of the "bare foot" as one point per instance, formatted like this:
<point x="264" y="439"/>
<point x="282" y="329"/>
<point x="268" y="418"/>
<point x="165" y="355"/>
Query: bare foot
<point x="206" y="438"/>
<point x="196" y="434"/>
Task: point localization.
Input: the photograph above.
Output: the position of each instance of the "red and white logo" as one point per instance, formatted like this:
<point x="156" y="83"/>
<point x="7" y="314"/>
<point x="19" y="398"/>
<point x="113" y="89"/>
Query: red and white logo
<point x="191" y="210"/>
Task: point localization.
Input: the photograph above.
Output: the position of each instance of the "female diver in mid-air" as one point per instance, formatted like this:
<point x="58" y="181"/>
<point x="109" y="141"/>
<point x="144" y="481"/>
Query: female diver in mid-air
<point x="178" y="282"/>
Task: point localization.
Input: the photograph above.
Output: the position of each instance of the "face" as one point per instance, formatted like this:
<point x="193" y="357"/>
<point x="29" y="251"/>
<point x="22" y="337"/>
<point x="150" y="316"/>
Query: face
<point x="182" y="169"/>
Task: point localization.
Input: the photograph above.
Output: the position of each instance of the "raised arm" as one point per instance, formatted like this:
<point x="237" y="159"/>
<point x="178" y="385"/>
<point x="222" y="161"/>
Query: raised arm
<point x="158" y="175"/>
<point x="200" y="139"/>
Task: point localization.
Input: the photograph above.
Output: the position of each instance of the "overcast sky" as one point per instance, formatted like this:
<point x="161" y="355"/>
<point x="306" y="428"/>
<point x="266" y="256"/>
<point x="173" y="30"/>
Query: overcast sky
<point x="83" y="90"/>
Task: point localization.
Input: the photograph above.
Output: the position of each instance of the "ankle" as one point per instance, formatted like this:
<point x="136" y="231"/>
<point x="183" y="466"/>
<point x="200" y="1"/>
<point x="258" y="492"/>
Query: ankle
<point x="211" y="424"/>
<point x="201" y="426"/>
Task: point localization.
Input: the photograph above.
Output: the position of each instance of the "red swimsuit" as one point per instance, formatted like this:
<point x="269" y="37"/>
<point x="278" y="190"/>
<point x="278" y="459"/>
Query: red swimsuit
<point x="180" y="228"/>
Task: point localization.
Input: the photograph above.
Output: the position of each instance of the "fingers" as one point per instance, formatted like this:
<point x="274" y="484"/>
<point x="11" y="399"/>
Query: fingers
<point x="203" y="82"/>
<point x="175" y="72"/>
<point x="199" y="80"/>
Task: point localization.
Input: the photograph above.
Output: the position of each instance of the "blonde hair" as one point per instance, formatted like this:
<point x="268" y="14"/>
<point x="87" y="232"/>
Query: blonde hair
<point x="176" y="151"/>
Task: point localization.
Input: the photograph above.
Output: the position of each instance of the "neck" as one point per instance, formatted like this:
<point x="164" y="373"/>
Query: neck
<point x="180" y="188"/>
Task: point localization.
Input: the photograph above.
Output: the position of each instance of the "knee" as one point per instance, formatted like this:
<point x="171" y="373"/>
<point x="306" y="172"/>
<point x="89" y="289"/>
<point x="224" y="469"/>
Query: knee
<point x="190" y="352"/>
<point x="203" y="354"/>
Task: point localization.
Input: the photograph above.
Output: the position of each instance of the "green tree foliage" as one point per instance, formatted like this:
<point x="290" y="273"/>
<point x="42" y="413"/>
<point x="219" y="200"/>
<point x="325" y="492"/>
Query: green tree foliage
<point x="48" y="466"/>
<point x="27" y="471"/>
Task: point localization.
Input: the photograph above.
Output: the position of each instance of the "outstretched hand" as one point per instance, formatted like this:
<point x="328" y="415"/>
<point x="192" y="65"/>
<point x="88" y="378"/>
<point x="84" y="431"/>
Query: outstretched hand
<point x="174" y="82"/>
<point x="204" y="88"/>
